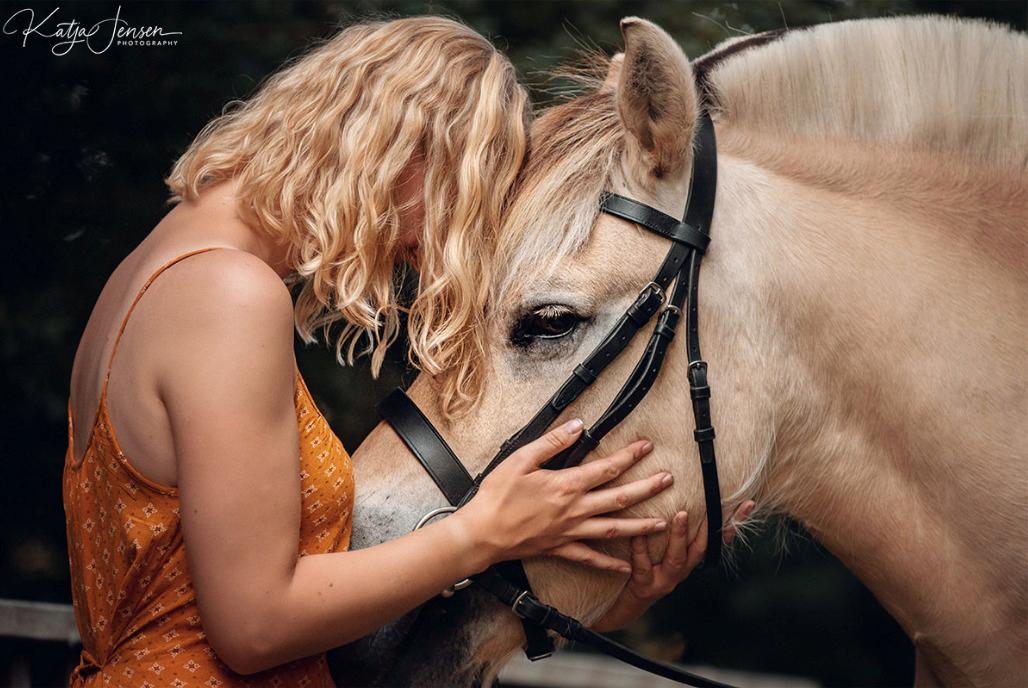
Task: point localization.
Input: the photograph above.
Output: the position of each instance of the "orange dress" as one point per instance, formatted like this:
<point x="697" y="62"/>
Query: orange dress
<point x="133" y="597"/>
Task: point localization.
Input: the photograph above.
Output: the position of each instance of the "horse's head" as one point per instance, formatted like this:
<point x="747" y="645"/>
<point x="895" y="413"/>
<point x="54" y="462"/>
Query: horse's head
<point x="563" y="275"/>
<point x="867" y="243"/>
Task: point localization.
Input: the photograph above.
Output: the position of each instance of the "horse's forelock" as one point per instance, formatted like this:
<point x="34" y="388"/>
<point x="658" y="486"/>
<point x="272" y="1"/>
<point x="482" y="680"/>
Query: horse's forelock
<point x="574" y="150"/>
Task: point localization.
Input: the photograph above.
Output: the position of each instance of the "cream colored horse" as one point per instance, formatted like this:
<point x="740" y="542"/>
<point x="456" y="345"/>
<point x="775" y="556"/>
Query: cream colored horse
<point x="863" y="311"/>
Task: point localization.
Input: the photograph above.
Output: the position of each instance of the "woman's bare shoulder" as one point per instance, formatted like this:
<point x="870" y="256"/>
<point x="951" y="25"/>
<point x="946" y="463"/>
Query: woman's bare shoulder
<point x="208" y="311"/>
<point x="228" y="297"/>
<point x="224" y="356"/>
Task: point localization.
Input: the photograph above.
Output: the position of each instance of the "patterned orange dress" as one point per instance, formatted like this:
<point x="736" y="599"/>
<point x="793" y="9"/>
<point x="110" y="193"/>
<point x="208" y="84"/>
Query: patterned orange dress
<point x="134" y="600"/>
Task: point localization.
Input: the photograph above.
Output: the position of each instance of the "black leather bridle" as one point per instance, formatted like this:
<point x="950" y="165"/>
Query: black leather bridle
<point x="681" y="266"/>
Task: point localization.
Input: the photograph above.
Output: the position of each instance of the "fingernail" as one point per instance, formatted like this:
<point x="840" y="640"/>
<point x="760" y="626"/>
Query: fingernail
<point x="573" y="426"/>
<point x="661" y="525"/>
<point x="667" y="479"/>
<point x="647" y="446"/>
<point x="624" y="569"/>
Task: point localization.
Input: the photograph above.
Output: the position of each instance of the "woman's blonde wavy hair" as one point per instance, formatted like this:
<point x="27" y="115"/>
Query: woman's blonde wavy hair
<point x="318" y="153"/>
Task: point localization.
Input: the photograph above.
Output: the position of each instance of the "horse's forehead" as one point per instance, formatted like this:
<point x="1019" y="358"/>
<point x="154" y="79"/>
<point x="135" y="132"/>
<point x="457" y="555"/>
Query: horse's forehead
<point x="612" y="256"/>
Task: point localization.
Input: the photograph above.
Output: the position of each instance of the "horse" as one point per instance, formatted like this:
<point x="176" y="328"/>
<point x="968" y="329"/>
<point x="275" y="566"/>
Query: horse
<point x="864" y="308"/>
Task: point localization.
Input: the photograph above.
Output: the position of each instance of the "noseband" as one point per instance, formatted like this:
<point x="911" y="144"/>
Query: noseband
<point x="681" y="266"/>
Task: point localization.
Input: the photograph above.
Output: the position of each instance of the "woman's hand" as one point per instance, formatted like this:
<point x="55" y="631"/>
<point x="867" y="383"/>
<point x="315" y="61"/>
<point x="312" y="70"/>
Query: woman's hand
<point x="650" y="582"/>
<point x="523" y="510"/>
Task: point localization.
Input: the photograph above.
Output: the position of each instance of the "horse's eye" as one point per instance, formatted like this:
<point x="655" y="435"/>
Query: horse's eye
<point x="552" y="321"/>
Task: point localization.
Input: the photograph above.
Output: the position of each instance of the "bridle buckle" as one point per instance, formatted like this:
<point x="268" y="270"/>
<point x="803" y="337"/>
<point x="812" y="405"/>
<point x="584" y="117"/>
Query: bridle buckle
<point x="517" y="603"/>
<point x="656" y="288"/>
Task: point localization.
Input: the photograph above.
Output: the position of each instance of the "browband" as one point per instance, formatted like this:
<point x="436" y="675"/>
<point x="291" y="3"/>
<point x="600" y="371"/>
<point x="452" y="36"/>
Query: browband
<point x="654" y="220"/>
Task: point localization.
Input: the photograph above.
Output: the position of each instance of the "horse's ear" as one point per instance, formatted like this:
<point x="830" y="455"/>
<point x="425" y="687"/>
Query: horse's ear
<point x="656" y="96"/>
<point x="613" y="72"/>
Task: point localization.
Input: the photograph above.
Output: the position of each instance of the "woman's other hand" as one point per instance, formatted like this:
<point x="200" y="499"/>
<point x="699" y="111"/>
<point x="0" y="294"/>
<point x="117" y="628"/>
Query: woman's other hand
<point x="650" y="582"/>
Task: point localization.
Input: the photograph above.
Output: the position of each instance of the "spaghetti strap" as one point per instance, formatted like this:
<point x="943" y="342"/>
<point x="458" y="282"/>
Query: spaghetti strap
<point x="132" y="307"/>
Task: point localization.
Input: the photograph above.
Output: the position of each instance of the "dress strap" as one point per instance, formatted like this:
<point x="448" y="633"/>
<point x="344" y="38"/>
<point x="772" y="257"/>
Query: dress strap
<point x="132" y="307"/>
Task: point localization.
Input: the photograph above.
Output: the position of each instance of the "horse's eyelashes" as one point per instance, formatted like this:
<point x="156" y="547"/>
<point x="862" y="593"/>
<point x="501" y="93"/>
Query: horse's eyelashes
<point x="546" y="322"/>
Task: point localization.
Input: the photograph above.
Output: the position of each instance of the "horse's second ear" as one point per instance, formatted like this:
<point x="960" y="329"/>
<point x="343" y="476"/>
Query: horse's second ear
<point x="656" y="96"/>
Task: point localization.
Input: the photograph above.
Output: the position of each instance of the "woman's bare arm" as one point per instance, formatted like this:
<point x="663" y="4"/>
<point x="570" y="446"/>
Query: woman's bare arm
<point x="226" y="376"/>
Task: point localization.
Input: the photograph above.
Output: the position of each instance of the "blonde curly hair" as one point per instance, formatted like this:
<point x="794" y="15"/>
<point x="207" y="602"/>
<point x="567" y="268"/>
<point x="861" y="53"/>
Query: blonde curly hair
<point x="318" y="152"/>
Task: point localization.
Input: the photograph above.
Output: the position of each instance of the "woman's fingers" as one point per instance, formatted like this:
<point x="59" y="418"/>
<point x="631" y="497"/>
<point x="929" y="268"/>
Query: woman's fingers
<point x="698" y="547"/>
<point x="741" y="514"/>
<point x="623" y="496"/>
<point x="595" y="473"/>
<point x="642" y="565"/>
<point x="744" y="511"/>
<point x="676" y="558"/>
<point x="536" y="453"/>
<point x="601" y="528"/>
<point x="584" y="554"/>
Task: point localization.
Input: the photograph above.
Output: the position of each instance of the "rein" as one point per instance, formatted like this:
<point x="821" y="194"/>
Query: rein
<point x="674" y="292"/>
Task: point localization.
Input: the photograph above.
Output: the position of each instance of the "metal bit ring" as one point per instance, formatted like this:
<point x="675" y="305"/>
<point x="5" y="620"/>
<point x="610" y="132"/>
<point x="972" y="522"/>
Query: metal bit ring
<point x="459" y="585"/>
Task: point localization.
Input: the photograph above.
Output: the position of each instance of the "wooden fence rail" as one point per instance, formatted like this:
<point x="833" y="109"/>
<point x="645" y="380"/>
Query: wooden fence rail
<point x="24" y="627"/>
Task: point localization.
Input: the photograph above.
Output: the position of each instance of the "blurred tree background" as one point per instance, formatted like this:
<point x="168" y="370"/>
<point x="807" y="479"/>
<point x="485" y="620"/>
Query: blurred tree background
<point x="87" y="141"/>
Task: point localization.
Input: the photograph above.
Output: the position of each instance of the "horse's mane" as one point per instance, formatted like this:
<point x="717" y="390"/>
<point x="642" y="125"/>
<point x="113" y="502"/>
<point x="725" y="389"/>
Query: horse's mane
<point x="931" y="84"/>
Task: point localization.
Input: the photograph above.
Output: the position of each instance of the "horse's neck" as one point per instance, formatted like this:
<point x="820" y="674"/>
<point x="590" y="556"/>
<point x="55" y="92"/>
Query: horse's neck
<point x="899" y="356"/>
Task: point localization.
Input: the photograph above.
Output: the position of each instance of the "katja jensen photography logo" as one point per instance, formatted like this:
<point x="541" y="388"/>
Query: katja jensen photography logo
<point x="64" y="35"/>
